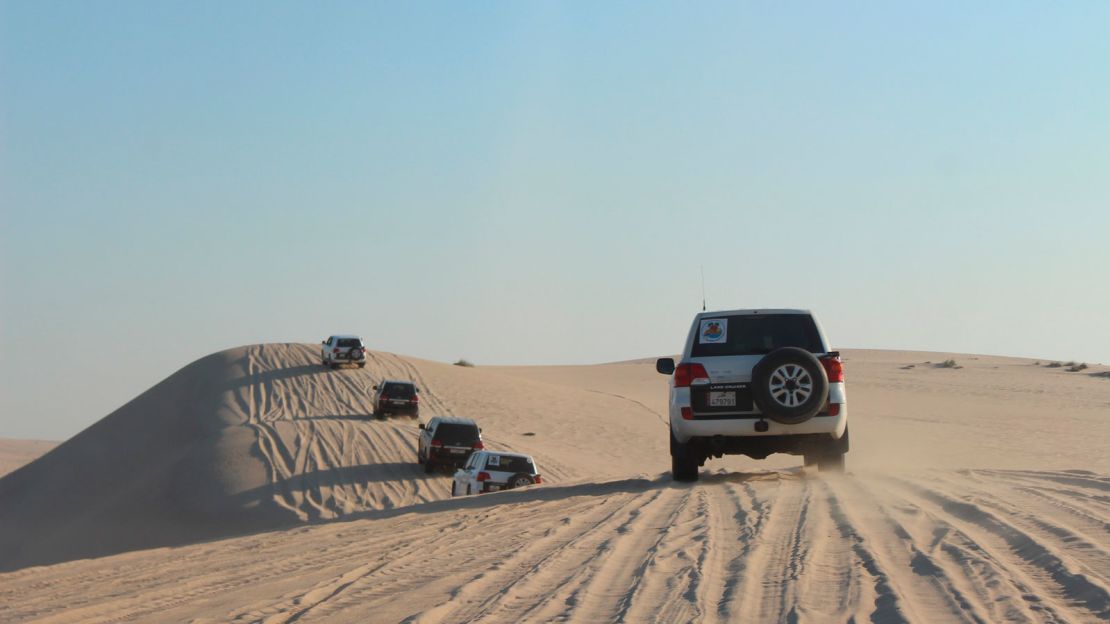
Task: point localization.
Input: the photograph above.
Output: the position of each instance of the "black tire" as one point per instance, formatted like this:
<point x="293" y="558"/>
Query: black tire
<point x="684" y="469"/>
<point x="429" y="467"/>
<point x="362" y="364"/>
<point x="789" y="385"/>
<point x="520" y="480"/>
<point x="831" y="462"/>
<point x="684" y="462"/>
<point x="355" y="354"/>
<point x="334" y="366"/>
<point x="810" y="459"/>
<point x="468" y="492"/>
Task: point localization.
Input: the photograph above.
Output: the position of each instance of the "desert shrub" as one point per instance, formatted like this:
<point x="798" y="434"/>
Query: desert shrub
<point x="907" y="367"/>
<point x="948" y="364"/>
<point x="1077" y="368"/>
<point x="1055" y="365"/>
<point x="464" y="362"/>
<point x="1104" y="374"/>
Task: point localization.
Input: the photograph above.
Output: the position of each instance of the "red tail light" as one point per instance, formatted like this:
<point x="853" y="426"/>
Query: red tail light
<point x="478" y="446"/>
<point x="539" y="479"/>
<point x="687" y="413"/>
<point x="437" y="443"/>
<point x="483" y="476"/>
<point x="834" y="368"/>
<point x="415" y="399"/>
<point x="684" y="374"/>
<point x="834" y="409"/>
<point x="335" y="350"/>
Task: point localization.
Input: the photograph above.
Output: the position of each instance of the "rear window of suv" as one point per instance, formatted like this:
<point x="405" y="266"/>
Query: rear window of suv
<point x="456" y="434"/>
<point x="759" y="334"/>
<point x="509" y="464"/>
<point x="349" y="342"/>
<point x="398" y="390"/>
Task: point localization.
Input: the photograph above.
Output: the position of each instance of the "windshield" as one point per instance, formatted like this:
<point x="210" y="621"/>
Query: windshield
<point x="755" y="334"/>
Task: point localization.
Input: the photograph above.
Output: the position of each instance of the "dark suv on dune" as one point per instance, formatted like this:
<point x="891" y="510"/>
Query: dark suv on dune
<point x="447" y="441"/>
<point x="396" y="397"/>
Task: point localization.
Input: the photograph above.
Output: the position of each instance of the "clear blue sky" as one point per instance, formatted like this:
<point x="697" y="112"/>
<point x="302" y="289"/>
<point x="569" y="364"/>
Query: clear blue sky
<point x="538" y="182"/>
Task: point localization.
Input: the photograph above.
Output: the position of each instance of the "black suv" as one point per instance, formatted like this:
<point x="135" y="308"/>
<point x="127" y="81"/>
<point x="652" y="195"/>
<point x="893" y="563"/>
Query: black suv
<point x="396" y="397"/>
<point x="447" y="441"/>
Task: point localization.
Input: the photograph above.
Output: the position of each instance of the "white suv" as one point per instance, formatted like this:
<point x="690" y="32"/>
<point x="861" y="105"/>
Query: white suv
<point x="756" y="382"/>
<point x="344" y="349"/>
<point x="489" y="471"/>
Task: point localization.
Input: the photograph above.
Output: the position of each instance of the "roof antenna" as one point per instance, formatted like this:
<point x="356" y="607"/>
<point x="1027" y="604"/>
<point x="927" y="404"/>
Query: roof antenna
<point x="702" y="268"/>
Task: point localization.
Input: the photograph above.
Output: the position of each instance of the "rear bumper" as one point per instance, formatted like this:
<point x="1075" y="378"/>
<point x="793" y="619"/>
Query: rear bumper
<point x="684" y="430"/>
<point x="744" y="425"/>
<point x="762" y="446"/>
<point x="448" y="458"/>
<point x="412" y="410"/>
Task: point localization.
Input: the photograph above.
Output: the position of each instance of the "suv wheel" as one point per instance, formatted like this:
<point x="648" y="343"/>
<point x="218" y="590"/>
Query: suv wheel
<point x="521" y="480"/>
<point x="789" y="385"/>
<point x="684" y="469"/>
<point x="684" y="465"/>
<point x="429" y="467"/>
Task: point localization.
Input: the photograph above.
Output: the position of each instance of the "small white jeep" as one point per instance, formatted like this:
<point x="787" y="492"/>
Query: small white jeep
<point x="345" y="349"/>
<point x="490" y="471"/>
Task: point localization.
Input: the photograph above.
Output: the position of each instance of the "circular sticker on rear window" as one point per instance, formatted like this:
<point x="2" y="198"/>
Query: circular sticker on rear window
<point x="714" y="330"/>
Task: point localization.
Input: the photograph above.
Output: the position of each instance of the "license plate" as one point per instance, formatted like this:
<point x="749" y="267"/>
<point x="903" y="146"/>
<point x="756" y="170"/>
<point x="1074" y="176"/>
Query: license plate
<point x="493" y="488"/>
<point x="458" y="451"/>
<point x="722" y="399"/>
<point x="396" y="402"/>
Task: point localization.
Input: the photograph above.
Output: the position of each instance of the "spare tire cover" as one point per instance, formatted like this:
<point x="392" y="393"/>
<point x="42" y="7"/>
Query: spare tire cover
<point x="789" y="385"/>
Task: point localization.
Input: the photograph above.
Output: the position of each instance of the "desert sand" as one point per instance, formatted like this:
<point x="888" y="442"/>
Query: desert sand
<point x="16" y="453"/>
<point x="250" y="486"/>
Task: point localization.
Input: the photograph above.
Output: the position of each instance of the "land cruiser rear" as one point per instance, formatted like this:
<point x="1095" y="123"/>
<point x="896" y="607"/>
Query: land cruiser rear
<point x="756" y="382"/>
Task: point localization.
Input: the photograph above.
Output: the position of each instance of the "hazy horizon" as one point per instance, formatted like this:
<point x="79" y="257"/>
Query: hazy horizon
<point x="538" y="184"/>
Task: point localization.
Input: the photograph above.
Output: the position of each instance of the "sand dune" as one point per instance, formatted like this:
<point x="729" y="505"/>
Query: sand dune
<point x="18" y="453"/>
<point x="975" y="494"/>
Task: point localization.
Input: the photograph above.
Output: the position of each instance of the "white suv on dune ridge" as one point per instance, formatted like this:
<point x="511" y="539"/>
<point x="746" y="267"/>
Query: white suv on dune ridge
<point x="756" y="382"/>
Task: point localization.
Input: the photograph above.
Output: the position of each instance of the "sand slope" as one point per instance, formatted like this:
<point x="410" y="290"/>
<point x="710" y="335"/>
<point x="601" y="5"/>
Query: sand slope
<point x="262" y="437"/>
<point x="18" y="453"/>
<point x="962" y="504"/>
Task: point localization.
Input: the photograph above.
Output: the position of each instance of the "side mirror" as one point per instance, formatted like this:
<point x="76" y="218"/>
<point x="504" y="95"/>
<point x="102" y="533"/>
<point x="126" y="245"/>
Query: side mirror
<point x="421" y="425"/>
<point x="323" y="342"/>
<point x="375" y="387"/>
<point x="665" y="366"/>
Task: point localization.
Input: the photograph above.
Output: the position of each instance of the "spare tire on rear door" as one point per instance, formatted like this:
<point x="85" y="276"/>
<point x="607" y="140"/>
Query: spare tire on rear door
<point x="355" y="353"/>
<point x="789" y="385"/>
